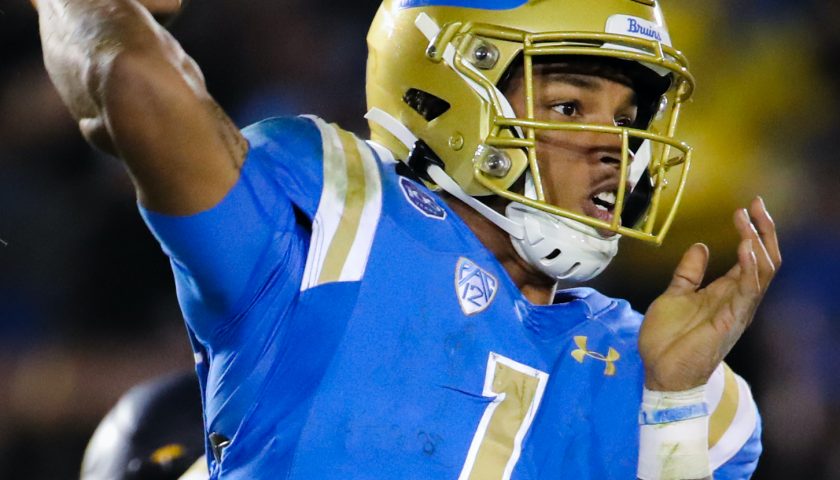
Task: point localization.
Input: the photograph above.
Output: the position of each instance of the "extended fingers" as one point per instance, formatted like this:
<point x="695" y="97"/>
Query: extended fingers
<point x="766" y="229"/>
<point x="749" y="282"/>
<point x="750" y="288"/>
<point x="747" y="230"/>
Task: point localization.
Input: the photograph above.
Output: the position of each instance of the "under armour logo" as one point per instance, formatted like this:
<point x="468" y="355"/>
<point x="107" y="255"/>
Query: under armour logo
<point x="582" y="352"/>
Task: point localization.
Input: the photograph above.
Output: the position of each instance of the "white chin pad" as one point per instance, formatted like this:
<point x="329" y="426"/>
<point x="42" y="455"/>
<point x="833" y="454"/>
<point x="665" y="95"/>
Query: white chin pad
<point x="561" y="248"/>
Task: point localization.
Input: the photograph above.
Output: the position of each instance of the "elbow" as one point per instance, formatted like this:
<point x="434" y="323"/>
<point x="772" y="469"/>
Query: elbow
<point x="96" y="133"/>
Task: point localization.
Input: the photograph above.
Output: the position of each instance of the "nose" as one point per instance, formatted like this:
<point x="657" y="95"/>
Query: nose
<point x="606" y="147"/>
<point x="608" y="144"/>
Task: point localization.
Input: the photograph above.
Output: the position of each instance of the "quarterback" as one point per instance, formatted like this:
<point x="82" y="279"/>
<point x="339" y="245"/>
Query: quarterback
<point x="409" y="306"/>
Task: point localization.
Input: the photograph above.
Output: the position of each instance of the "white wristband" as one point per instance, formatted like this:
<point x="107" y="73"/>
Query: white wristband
<point x="673" y="435"/>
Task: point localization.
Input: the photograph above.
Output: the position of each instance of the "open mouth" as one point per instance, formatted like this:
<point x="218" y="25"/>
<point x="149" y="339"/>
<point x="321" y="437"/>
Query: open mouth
<point x="604" y="205"/>
<point x="601" y="205"/>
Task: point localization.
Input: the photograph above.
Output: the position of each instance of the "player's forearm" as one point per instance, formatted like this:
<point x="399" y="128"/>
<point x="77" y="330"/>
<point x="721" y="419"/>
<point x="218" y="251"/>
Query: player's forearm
<point x="82" y="41"/>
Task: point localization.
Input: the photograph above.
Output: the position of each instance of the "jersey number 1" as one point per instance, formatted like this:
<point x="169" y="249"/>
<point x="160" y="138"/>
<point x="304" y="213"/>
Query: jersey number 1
<point x="516" y="390"/>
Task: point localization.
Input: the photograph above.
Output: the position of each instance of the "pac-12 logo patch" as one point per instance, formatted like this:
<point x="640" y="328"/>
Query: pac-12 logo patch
<point x="421" y="200"/>
<point x="475" y="287"/>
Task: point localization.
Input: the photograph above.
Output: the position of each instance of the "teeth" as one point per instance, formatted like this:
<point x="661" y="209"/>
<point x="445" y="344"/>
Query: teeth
<point x="606" y="197"/>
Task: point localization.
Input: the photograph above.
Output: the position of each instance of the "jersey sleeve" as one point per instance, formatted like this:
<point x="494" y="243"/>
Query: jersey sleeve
<point x="222" y="257"/>
<point x="734" y="426"/>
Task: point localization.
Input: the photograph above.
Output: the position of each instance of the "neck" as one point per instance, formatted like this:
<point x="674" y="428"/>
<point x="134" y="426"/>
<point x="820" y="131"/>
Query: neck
<point x="534" y="285"/>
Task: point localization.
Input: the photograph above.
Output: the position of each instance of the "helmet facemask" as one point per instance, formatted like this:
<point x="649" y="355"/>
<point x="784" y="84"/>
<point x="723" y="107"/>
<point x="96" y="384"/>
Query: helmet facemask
<point x="653" y="164"/>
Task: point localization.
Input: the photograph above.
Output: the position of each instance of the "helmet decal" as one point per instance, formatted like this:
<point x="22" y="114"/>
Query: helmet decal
<point x="637" y="27"/>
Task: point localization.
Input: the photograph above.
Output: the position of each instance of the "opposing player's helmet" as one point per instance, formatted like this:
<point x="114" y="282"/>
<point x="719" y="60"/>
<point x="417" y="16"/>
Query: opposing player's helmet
<point x="435" y="67"/>
<point x="154" y="432"/>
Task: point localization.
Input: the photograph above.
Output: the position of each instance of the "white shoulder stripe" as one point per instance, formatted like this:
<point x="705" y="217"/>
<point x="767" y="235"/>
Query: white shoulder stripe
<point x="348" y="212"/>
<point x="734" y="415"/>
<point x="330" y="205"/>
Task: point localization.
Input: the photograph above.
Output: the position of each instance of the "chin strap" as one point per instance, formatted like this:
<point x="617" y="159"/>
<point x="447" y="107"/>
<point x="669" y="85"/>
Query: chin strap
<point x="445" y="182"/>
<point x="393" y="126"/>
<point x="436" y="174"/>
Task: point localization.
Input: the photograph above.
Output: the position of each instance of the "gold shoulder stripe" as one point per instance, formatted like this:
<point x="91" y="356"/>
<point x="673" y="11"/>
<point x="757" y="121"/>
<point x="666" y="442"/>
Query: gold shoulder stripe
<point x="345" y="222"/>
<point x="354" y="202"/>
<point x="724" y="414"/>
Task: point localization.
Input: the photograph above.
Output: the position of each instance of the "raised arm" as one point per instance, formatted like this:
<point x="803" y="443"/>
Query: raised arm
<point x="137" y="95"/>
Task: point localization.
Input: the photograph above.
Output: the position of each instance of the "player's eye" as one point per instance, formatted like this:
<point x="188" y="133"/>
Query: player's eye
<point x="624" y="121"/>
<point x="568" y="109"/>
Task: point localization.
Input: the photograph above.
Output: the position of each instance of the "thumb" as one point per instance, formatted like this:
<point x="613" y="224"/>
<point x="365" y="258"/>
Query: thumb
<point x="689" y="273"/>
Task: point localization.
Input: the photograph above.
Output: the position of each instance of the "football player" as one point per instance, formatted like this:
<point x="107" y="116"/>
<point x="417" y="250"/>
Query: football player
<point x="389" y="308"/>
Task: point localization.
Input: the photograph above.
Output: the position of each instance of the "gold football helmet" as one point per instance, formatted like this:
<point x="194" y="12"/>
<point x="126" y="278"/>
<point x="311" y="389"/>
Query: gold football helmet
<point x="435" y="66"/>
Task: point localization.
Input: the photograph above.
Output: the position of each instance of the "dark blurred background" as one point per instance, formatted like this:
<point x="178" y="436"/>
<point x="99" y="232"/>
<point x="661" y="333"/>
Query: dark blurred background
<point x="87" y="305"/>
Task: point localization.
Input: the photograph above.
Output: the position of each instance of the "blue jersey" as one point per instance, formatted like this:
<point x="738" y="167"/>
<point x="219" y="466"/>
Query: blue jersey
<point x="348" y="324"/>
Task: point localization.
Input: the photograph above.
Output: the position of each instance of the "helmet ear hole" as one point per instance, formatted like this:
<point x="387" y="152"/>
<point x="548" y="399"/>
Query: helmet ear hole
<point x="427" y="105"/>
<point x="554" y="254"/>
